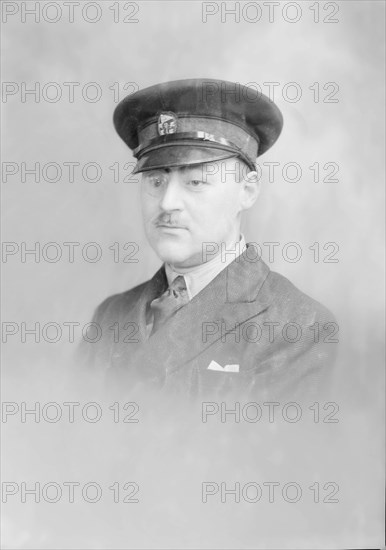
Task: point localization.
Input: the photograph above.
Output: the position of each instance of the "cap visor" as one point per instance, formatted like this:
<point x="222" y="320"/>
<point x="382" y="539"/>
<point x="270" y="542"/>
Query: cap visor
<point x="179" y="155"/>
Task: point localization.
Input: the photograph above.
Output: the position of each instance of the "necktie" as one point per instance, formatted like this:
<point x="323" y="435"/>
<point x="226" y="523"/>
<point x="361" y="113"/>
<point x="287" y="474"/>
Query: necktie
<point x="169" y="302"/>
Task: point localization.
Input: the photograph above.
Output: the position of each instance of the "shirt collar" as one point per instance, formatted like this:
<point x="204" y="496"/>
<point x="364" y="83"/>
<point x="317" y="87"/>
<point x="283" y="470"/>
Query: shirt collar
<point x="201" y="275"/>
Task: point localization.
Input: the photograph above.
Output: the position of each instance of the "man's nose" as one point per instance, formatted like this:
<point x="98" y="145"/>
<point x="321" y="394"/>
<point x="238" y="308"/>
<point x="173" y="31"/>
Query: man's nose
<point x="172" y="195"/>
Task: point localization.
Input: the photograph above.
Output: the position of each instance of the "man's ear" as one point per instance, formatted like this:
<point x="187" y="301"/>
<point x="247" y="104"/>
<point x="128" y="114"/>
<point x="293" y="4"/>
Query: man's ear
<point x="251" y="185"/>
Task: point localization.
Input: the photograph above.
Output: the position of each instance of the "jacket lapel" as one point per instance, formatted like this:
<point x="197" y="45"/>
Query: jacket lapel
<point x="135" y="317"/>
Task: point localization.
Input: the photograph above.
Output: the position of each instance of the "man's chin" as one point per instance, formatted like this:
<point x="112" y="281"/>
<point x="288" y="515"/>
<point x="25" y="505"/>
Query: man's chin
<point x="172" y="254"/>
<point x="173" y="258"/>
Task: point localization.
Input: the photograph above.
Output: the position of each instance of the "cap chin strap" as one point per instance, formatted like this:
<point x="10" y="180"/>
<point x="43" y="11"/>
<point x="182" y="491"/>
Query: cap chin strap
<point x="201" y="139"/>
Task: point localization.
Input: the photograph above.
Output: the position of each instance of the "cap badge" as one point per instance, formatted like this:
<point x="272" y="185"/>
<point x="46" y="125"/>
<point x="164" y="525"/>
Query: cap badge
<point x="167" y="123"/>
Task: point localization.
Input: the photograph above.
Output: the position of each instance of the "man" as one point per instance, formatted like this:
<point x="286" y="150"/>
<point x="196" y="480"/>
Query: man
<point x="214" y="318"/>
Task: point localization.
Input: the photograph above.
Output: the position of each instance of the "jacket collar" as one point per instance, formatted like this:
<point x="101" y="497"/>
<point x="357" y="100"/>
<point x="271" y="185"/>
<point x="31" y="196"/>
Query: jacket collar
<point x="241" y="279"/>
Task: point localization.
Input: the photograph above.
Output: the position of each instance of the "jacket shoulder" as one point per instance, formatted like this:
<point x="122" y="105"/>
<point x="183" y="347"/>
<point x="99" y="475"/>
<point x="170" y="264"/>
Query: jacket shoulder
<point x="118" y="303"/>
<point x="293" y="304"/>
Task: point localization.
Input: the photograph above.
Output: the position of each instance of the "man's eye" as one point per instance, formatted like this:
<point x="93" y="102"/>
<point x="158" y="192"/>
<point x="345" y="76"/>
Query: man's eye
<point x="156" y="182"/>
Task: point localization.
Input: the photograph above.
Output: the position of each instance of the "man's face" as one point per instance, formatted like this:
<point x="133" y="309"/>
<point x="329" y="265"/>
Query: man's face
<point x="187" y="206"/>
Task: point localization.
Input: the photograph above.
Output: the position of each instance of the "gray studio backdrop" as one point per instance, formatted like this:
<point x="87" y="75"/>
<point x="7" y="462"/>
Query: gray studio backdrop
<point x="322" y="181"/>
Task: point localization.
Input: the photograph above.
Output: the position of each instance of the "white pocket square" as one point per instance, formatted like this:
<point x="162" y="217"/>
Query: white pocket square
<point x="213" y="365"/>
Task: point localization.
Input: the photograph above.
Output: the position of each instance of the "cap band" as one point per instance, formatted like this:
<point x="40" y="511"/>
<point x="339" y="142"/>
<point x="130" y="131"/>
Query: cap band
<point x="223" y="132"/>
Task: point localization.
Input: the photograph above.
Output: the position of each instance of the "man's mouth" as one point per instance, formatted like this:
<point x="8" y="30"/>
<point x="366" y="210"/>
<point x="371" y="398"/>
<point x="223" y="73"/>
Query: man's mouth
<point x="170" y="226"/>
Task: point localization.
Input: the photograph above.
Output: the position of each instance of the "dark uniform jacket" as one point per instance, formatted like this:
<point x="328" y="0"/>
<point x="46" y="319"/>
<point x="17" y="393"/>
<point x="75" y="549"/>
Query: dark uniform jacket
<point x="249" y="330"/>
